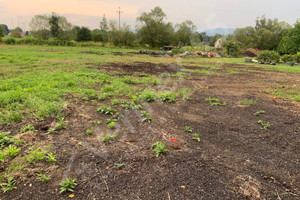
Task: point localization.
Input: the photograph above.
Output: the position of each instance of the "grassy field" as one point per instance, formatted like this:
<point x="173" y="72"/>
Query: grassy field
<point x="53" y="99"/>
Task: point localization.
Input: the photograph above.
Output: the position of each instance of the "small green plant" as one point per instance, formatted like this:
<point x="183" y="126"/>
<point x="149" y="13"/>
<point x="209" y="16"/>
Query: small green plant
<point x="259" y="112"/>
<point x="148" y="96"/>
<point x="146" y="116"/>
<point x="215" y="102"/>
<point x="188" y="129"/>
<point x="119" y="165"/>
<point x="196" y="136"/>
<point x="106" y="110"/>
<point x="159" y="148"/>
<point x="43" y="177"/>
<point x="131" y="105"/>
<point x="97" y="122"/>
<point x="27" y="128"/>
<point x="36" y="155"/>
<point x="51" y="157"/>
<point x="168" y="97"/>
<point x="9" y="186"/>
<point x="111" y="125"/>
<point x="61" y="124"/>
<point x="110" y="120"/>
<point x="50" y="131"/>
<point x="11" y="151"/>
<point x="248" y="102"/>
<point x="67" y="185"/>
<point x="109" y="137"/>
<point x="89" y="131"/>
<point x="266" y="125"/>
<point x="6" y="139"/>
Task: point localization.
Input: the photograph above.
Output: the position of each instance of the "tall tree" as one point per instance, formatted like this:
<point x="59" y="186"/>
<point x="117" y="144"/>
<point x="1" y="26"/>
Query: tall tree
<point x="186" y="33"/>
<point x="83" y="34"/>
<point x="54" y="27"/>
<point x="40" y="27"/>
<point x="5" y="29"/>
<point x="104" y="29"/>
<point x="152" y="28"/>
<point x="291" y="42"/>
<point x="246" y="36"/>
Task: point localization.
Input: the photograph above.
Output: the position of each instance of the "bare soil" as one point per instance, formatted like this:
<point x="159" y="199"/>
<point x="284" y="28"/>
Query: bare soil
<point x="235" y="159"/>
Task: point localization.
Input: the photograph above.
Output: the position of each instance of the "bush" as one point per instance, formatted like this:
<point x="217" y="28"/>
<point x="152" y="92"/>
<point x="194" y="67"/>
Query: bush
<point x="10" y="40"/>
<point x="287" y="58"/>
<point x="268" y="57"/>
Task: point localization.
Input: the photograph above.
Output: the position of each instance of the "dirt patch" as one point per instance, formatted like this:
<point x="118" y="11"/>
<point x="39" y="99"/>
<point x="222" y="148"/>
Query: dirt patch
<point x="91" y="52"/>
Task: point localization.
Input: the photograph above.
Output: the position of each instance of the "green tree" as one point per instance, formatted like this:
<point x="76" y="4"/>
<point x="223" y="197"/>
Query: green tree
<point x="5" y="29"/>
<point x="231" y="47"/>
<point x="246" y="36"/>
<point x="291" y="42"/>
<point x="54" y="27"/>
<point x="104" y="29"/>
<point x="153" y="30"/>
<point x="186" y="33"/>
<point x="83" y="34"/>
<point x="121" y="36"/>
<point x="1" y="31"/>
<point x="16" y="33"/>
<point x="40" y="27"/>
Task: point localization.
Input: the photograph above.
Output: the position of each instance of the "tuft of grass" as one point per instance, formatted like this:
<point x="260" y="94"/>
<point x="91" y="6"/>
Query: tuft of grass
<point x="159" y="148"/>
<point x="67" y="185"/>
<point x="51" y="157"/>
<point x="9" y="186"/>
<point x="248" y="102"/>
<point x="109" y="137"/>
<point x="43" y="177"/>
<point x="27" y="128"/>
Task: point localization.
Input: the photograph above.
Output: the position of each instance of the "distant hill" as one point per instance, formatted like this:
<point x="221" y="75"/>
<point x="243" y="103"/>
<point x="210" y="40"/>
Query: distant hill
<point x="221" y="31"/>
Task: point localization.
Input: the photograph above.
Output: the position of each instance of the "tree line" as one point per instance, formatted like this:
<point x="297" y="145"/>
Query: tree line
<point x="152" y="29"/>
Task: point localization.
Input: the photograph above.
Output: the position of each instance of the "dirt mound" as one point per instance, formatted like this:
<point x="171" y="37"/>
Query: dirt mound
<point x="251" y="52"/>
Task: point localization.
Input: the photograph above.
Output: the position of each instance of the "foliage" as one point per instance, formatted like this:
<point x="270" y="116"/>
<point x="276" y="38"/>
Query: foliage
<point x="5" y="139"/>
<point x="83" y="34"/>
<point x="266" y="125"/>
<point x="185" y="34"/>
<point x="29" y="127"/>
<point x="111" y="125"/>
<point x="54" y="27"/>
<point x="106" y="110"/>
<point x="36" y="155"/>
<point x="159" y="148"/>
<point x="232" y="48"/>
<point x="67" y="185"/>
<point x="148" y="96"/>
<point x="51" y="157"/>
<point x="146" y="116"/>
<point x="168" y="97"/>
<point x="11" y="151"/>
<point x="268" y="57"/>
<point x="97" y="122"/>
<point x="287" y="58"/>
<point x="188" y="129"/>
<point x="9" y="186"/>
<point x="43" y="177"/>
<point x="196" y="136"/>
<point x="247" y="37"/>
<point x="109" y="137"/>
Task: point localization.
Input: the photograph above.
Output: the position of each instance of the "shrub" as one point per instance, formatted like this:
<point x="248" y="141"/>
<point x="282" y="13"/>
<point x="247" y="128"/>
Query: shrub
<point x="287" y="58"/>
<point x="10" y="40"/>
<point x="268" y="57"/>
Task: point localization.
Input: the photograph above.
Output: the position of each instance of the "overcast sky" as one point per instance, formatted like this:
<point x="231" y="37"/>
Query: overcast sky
<point x="206" y="14"/>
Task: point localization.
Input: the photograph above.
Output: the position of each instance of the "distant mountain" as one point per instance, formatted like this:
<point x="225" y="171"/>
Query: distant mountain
<point x="221" y="31"/>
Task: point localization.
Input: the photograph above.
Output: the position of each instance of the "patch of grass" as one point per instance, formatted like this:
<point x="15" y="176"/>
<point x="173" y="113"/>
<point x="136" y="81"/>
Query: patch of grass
<point x="146" y="116"/>
<point x="185" y="94"/>
<point x="109" y="137"/>
<point x="266" y="125"/>
<point x="159" y="148"/>
<point x="67" y="185"/>
<point x="51" y="157"/>
<point x="27" y="128"/>
<point x="248" y="102"/>
<point x="9" y="185"/>
<point x="167" y="97"/>
<point x="36" y="155"/>
<point x="6" y="139"/>
<point x="43" y="177"/>
<point x="61" y="124"/>
<point x="106" y="110"/>
<point x="188" y="129"/>
<point x="11" y="151"/>
<point x="259" y="112"/>
<point x="215" y="102"/>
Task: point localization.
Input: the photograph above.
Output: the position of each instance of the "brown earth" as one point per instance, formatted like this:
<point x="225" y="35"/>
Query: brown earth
<point x="235" y="159"/>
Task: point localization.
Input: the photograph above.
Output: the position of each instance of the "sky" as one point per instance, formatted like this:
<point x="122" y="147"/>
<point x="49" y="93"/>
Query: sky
<point x="206" y="14"/>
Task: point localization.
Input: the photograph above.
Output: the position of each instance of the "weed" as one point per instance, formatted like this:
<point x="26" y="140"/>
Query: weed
<point x="36" y="155"/>
<point x="248" y="102"/>
<point x="11" y="151"/>
<point x="50" y="131"/>
<point x="111" y="125"/>
<point x="259" y="112"/>
<point x="119" y="165"/>
<point x="9" y="186"/>
<point x="147" y="96"/>
<point x="106" y="110"/>
<point x="110" y="120"/>
<point x="43" y="177"/>
<point x="51" y="157"/>
<point x="196" y="136"/>
<point x="131" y="105"/>
<point x="97" y="122"/>
<point x="89" y="131"/>
<point x="67" y="185"/>
<point x="109" y="137"/>
<point x="5" y="139"/>
<point x="146" y="116"/>
<point x="167" y="97"/>
<point x="159" y="148"/>
<point x="215" y="102"/>
<point x="266" y="125"/>
<point x="188" y="129"/>
<point x="61" y="124"/>
<point x="27" y="128"/>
